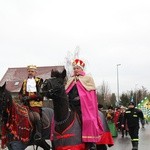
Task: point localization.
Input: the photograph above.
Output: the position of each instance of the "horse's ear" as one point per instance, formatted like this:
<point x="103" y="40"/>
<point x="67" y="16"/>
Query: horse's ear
<point x="64" y="73"/>
<point x="4" y="85"/>
<point x="52" y="73"/>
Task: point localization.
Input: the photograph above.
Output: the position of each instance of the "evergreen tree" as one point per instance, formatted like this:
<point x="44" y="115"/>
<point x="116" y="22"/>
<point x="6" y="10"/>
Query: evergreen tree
<point x="124" y="99"/>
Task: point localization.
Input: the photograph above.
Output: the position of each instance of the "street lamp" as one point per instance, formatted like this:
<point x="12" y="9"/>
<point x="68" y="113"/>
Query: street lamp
<point x="136" y="94"/>
<point x="118" y="83"/>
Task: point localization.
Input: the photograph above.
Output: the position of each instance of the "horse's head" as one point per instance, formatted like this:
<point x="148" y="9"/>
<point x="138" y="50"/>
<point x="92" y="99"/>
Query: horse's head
<point x="52" y="88"/>
<point x="5" y="100"/>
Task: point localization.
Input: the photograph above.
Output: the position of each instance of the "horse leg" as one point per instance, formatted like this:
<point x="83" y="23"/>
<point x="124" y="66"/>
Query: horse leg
<point x="101" y="147"/>
<point x="16" y="145"/>
<point x="43" y="144"/>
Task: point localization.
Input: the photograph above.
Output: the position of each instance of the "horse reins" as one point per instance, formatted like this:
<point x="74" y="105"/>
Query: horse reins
<point x="69" y="112"/>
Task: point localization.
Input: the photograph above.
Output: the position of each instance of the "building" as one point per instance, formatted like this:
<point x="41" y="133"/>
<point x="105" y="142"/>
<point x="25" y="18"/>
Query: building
<point x="14" y="77"/>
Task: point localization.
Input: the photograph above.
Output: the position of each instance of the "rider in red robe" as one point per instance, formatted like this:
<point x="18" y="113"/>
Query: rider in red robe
<point x="29" y="94"/>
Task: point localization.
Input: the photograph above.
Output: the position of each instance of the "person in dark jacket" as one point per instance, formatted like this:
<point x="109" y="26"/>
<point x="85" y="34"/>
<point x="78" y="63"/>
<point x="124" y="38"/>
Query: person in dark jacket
<point x="132" y="116"/>
<point x="124" y="130"/>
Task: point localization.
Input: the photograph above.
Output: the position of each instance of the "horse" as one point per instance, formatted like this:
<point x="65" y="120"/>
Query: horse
<point x="67" y="123"/>
<point x="17" y="130"/>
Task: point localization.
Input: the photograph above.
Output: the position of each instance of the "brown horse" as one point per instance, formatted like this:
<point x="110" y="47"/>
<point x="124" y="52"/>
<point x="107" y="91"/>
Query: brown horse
<point x="17" y="131"/>
<point x="67" y="125"/>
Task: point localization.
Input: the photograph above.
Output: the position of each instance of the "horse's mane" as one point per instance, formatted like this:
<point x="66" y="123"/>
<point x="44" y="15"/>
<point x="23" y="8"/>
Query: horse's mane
<point x="3" y="89"/>
<point x="58" y="74"/>
<point x="55" y="73"/>
<point x="5" y="96"/>
<point x="13" y="115"/>
<point x="8" y="95"/>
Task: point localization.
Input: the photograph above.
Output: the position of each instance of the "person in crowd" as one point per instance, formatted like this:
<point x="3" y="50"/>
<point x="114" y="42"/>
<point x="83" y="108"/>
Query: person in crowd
<point x="110" y="120"/>
<point x="30" y="96"/>
<point x="133" y="116"/>
<point x="106" y="138"/>
<point x="124" y="130"/>
<point x="83" y="99"/>
<point x="116" y="116"/>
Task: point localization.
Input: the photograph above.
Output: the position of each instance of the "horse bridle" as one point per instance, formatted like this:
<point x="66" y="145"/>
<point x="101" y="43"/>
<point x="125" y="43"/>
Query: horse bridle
<point x="52" y="87"/>
<point x="49" y="82"/>
<point x="65" y="120"/>
<point x="46" y="82"/>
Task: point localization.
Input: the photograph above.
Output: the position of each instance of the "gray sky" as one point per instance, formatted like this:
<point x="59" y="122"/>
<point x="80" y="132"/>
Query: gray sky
<point x="108" y="33"/>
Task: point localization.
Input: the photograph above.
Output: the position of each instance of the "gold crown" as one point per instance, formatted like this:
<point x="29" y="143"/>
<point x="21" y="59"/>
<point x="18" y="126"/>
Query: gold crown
<point x="31" y="67"/>
<point x="78" y="62"/>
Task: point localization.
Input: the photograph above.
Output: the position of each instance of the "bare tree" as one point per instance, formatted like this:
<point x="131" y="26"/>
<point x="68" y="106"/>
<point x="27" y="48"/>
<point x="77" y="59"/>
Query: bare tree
<point x="76" y="52"/>
<point x="68" y="61"/>
<point x="140" y="94"/>
<point x="104" y="94"/>
<point x="69" y="58"/>
<point x="136" y="96"/>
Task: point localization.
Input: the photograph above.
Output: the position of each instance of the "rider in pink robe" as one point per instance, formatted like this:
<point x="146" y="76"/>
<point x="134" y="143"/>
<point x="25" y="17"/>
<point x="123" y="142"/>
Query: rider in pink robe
<point x="91" y="123"/>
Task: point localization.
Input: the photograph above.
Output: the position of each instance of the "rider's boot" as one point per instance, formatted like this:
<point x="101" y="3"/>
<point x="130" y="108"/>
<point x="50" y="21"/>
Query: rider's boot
<point x="38" y="133"/>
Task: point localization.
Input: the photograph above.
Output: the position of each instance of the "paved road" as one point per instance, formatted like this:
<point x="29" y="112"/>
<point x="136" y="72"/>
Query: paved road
<point x="125" y="143"/>
<point x="31" y="147"/>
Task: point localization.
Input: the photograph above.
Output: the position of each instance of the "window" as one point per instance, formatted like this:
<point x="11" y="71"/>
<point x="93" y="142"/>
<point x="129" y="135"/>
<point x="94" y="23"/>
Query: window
<point x="16" y="83"/>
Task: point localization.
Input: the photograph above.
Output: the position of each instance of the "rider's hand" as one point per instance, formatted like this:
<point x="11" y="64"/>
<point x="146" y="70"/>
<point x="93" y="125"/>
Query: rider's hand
<point x="122" y="125"/>
<point x="25" y="100"/>
<point x="39" y="96"/>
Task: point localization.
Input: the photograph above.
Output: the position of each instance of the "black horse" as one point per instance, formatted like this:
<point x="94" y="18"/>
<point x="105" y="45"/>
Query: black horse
<point x="67" y="125"/>
<point x="10" y="112"/>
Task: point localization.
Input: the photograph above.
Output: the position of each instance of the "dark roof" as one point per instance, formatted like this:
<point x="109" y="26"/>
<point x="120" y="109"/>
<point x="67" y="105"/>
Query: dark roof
<point x="14" y="76"/>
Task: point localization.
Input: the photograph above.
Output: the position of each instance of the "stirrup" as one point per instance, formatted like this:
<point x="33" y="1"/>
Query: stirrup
<point x="37" y="136"/>
<point x="92" y="146"/>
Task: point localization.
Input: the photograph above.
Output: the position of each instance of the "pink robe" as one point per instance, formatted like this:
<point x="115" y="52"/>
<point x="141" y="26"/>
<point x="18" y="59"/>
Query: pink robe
<point x="91" y="123"/>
